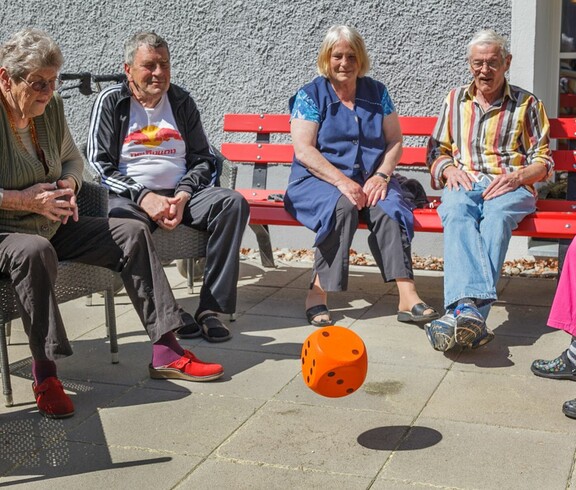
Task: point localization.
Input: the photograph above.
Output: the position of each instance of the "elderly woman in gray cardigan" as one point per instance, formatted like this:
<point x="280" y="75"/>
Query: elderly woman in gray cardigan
<point x="40" y="175"/>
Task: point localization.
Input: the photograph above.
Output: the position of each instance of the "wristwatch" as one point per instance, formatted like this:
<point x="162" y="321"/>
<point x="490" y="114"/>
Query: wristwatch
<point x="384" y="176"/>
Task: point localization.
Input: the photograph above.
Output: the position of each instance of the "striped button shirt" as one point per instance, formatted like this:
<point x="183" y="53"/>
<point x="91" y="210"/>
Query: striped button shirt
<point x="511" y="134"/>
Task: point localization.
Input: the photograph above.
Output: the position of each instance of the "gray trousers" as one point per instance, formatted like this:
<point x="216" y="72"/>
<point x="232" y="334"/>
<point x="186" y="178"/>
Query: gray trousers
<point x="224" y="214"/>
<point x="388" y="243"/>
<point x="125" y="246"/>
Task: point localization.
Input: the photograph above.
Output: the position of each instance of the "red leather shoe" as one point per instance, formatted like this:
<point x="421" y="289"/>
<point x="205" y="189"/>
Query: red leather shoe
<point x="188" y="367"/>
<point x="51" y="400"/>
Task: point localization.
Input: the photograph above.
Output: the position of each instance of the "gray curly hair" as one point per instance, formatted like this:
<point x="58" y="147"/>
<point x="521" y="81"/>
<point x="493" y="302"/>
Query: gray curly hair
<point x="29" y="50"/>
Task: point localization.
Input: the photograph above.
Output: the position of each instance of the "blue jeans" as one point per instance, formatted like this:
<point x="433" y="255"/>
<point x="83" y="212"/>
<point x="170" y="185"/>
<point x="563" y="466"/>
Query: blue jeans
<point x="476" y="238"/>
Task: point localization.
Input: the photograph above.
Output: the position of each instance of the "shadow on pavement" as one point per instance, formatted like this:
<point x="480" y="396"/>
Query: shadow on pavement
<point x="34" y="448"/>
<point x="399" y="438"/>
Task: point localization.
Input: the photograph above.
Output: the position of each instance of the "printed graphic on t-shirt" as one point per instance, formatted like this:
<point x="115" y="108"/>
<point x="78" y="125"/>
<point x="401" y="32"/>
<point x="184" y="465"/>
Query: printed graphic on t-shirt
<point x="153" y="151"/>
<point x="152" y="136"/>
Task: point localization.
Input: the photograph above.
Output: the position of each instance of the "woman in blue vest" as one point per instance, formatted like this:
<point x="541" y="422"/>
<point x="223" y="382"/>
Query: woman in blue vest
<point x="347" y="142"/>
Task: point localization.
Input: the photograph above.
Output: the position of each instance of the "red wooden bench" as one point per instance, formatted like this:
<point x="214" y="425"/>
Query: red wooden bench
<point x="553" y="218"/>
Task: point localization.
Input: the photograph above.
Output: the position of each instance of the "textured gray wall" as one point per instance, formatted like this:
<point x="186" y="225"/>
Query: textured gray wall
<point x="251" y="56"/>
<point x="238" y="55"/>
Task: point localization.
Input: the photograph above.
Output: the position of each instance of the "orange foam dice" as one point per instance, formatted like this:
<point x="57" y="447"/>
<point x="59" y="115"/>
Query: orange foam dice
<point x="334" y="361"/>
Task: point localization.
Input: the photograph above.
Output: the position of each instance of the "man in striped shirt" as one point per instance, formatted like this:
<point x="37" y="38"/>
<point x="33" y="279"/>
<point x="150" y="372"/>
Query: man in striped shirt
<point x="489" y="146"/>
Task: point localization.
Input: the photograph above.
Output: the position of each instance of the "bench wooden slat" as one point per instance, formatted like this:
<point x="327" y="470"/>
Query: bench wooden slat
<point x="563" y="127"/>
<point x="564" y="160"/>
<point x="417" y="126"/>
<point x="413" y="155"/>
<point x="258" y="152"/>
<point x="257" y="123"/>
<point x="553" y="219"/>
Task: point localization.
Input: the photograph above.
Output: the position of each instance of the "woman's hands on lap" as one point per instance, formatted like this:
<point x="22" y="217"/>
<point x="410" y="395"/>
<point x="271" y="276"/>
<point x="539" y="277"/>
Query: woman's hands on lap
<point x="353" y="191"/>
<point x="56" y="202"/>
<point x="375" y="189"/>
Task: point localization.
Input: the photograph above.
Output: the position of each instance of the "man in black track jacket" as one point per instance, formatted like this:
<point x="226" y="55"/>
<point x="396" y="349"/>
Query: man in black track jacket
<point x="147" y="142"/>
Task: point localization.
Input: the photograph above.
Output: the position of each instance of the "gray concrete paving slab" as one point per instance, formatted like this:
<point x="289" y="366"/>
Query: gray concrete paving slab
<point x="443" y="453"/>
<point x="466" y="420"/>
<point x="72" y="465"/>
<point x="398" y="344"/>
<point x="168" y="421"/>
<point x="259" y="333"/>
<point x="360" y="279"/>
<point x="242" y="475"/>
<point x="527" y="321"/>
<point x="390" y="389"/>
<point x="289" y="302"/>
<point x="249" y="375"/>
<point x="511" y="355"/>
<point x="502" y="399"/>
<point x="250" y="296"/>
<point x="535" y="292"/>
<point x="312" y="437"/>
<point x="283" y="275"/>
<point x="88" y="398"/>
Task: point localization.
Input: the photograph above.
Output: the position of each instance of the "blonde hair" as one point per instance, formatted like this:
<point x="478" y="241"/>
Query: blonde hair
<point x="353" y="38"/>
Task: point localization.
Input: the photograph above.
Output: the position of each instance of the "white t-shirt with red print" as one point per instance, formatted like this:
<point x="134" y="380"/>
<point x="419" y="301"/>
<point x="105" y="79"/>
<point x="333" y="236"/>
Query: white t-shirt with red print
<point x="153" y="152"/>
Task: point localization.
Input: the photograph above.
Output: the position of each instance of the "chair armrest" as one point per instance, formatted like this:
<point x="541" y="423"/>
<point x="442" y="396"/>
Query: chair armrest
<point x="227" y="171"/>
<point x="93" y="200"/>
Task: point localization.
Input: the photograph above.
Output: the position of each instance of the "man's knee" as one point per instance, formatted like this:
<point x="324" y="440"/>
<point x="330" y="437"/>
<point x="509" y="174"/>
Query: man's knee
<point x="234" y="200"/>
<point x="456" y="205"/>
<point x="239" y="202"/>
<point x="131" y="232"/>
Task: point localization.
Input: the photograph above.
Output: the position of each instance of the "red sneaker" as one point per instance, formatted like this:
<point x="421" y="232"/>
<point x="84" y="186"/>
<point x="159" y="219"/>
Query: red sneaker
<point x="188" y="367"/>
<point x="51" y="400"/>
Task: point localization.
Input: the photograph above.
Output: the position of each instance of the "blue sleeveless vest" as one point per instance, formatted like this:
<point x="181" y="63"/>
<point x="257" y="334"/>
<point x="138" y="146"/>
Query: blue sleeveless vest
<point x="351" y="140"/>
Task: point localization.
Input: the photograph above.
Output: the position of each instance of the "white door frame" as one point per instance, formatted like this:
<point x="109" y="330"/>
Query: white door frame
<point x="535" y="47"/>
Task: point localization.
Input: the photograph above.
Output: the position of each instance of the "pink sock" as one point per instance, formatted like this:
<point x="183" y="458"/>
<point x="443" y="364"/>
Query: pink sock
<point x="166" y="350"/>
<point x="42" y="370"/>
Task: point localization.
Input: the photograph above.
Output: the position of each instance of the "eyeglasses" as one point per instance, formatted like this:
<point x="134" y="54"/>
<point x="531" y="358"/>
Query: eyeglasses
<point x="42" y="85"/>
<point x="493" y="65"/>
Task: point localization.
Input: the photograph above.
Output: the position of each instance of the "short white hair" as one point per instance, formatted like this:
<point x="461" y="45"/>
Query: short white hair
<point x="490" y="37"/>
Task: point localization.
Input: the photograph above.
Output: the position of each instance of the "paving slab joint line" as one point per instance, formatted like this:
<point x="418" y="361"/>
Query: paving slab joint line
<point x="264" y="464"/>
<point x="409" y="431"/>
<point x="219" y="445"/>
<point x="419" y="483"/>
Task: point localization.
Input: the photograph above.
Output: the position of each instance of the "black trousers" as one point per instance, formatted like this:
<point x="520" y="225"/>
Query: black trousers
<point x="223" y="213"/>
<point x="388" y="243"/>
<point x="125" y="246"/>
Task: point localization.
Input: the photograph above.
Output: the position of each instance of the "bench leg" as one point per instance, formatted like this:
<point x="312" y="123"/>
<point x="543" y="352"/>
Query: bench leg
<point x="264" y="244"/>
<point x="5" y="366"/>
<point x="111" y="324"/>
